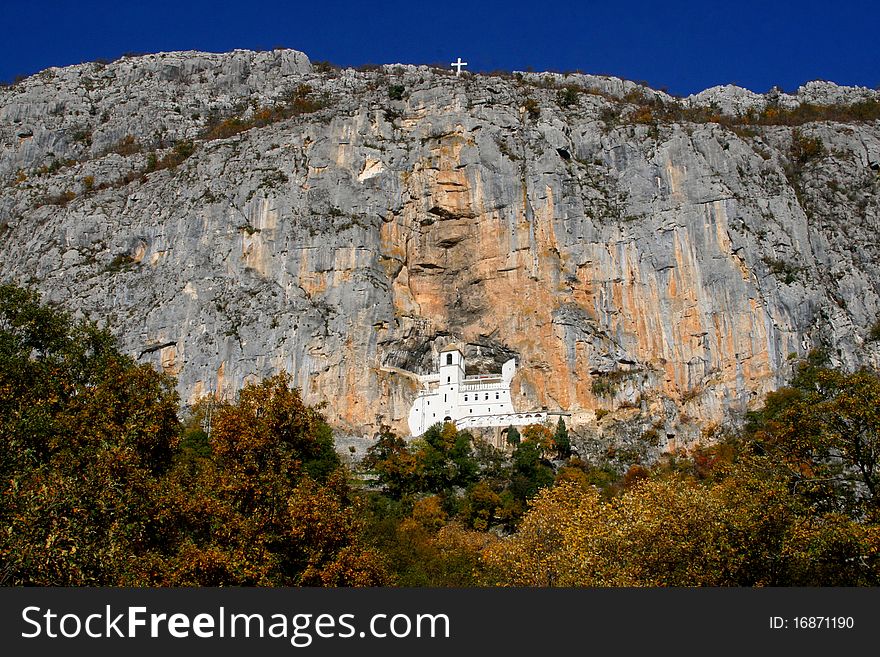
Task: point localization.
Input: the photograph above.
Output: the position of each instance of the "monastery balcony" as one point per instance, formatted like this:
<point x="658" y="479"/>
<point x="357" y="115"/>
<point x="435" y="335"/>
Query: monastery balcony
<point x="501" y="420"/>
<point x="489" y="385"/>
<point x="482" y="377"/>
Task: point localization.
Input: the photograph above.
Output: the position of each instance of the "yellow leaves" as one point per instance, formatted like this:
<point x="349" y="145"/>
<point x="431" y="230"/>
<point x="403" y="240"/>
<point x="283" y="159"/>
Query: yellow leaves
<point x="428" y="512"/>
<point x="661" y="532"/>
<point x="541" y="436"/>
<point x="266" y="414"/>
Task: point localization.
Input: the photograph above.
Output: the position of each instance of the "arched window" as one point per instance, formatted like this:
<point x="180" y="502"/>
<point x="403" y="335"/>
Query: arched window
<point x="449" y="359"/>
<point x="465" y="397"/>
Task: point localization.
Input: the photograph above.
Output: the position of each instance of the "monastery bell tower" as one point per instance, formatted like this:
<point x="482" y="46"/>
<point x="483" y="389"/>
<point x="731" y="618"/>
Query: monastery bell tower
<point x="451" y="367"/>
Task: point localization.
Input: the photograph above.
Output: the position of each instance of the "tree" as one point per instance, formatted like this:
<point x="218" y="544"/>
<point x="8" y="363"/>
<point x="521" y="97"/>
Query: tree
<point x="394" y="465"/>
<point x="744" y="530"/>
<point x="483" y="506"/>
<point x="513" y="437"/>
<point x="271" y="505"/>
<point x="541" y="437"/>
<point x="86" y="436"/>
<point x="561" y="439"/>
<point x="530" y="472"/>
<point x="443" y="459"/>
<point x="824" y="430"/>
<point x="96" y="487"/>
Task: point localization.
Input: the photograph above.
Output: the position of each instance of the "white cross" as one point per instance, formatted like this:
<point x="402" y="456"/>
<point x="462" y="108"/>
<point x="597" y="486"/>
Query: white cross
<point x="457" y="66"/>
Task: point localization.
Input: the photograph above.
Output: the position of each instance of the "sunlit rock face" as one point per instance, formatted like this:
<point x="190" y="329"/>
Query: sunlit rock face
<point x="669" y="269"/>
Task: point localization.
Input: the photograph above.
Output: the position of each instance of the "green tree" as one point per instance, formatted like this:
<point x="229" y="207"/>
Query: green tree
<point x="86" y="435"/>
<point x="561" y="439"/>
<point x="530" y="473"/>
<point x="446" y="459"/>
<point x="567" y="96"/>
<point x="395" y="466"/>
<point x="396" y="91"/>
<point x="513" y="437"/>
<point x="824" y="430"/>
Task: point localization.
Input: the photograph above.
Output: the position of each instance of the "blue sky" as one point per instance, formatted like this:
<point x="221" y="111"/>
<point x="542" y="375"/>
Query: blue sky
<point x="680" y="45"/>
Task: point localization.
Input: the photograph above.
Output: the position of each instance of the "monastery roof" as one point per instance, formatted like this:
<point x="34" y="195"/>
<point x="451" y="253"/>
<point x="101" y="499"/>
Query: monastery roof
<point x="450" y="347"/>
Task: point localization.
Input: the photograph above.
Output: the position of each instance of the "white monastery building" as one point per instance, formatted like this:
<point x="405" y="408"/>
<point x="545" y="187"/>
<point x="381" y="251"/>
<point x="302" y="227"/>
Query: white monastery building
<point x="482" y="400"/>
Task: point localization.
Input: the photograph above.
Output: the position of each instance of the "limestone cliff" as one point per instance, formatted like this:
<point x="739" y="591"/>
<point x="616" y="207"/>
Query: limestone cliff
<point x="237" y="214"/>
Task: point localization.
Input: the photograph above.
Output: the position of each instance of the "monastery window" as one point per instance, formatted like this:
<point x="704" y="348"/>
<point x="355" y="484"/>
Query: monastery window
<point x="487" y="396"/>
<point x="448" y="379"/>
<point x="444" y="398"/>
<point x="465" y="397"/>
<point x="449" y="359"/>
<point x="496" y="395"/>
<point x="470" y="410"/>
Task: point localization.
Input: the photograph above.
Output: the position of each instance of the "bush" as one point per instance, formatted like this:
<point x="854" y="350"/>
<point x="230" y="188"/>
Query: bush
<point x="227" y="128"/>
<point x="784" y="271"/>
<point x="299" y="101"/>
<point x="324" y="67"/>
<point x="396" y="91"/>
<point x="181" y="151"/>
<point x="805" y="149"/>
<point x="532" y="108"/>
<point x="62" y="198"/>
<point x="567" y="96"/>
<point x="120" y="262"/>
<point x="128" y="145"/>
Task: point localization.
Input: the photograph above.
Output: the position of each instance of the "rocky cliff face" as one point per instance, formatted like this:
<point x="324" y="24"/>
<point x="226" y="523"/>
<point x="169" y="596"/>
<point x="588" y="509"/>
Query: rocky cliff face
<point x="659" y="265"/>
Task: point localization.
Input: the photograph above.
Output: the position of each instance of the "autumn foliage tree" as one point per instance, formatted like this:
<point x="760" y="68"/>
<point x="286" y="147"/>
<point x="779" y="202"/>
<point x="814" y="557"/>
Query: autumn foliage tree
<point x="99" y="489"/>
<point x="823" y="431"/>
<point x="86" y="436"/>
<point x="674" y="531"/>
<point x="270" y="505"/>
<point x="102" y="484"/>
<point x="790" y="501"/>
